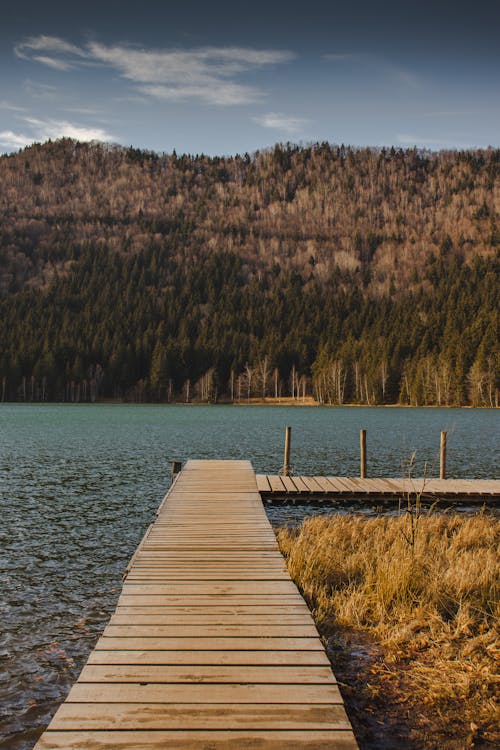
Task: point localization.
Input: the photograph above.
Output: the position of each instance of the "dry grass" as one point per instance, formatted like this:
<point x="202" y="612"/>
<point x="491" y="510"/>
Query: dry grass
<point x="425" y="590"/>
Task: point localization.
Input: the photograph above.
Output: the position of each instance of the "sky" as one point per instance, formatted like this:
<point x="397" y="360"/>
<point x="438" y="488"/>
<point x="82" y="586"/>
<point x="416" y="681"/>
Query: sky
<point x="225" y="77"/>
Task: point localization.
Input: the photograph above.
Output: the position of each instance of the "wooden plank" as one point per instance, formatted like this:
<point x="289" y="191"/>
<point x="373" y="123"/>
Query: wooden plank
<point x="210" y="619"/>
<point x="301" y="485"/>
<point x="149" y="576"/>
<point x="250" y="739"/>
<point x="224" y="555"/>
<point x="109" y="716"/>
<point x="198" y="599"/>
<point x="186" y="588"/>
<point x="288" y="484"/>
<point x="211" y="631"/>
<point x="311" y="484"/>
<point x="262" y="483"/>
<point x="336" y="486"/>
<point x="299" y="607"/>
<point x="323" y="483"/>
<point x="93" y="692"/>
<point x="208" y="547"/>
<point x="200" y="566"/>
<point x="348" y="485"/>
<point x="276" y="484"/>
<point x="210" y="644"/>
<point x="199" y="657"/>
<point x="184" y="674"/>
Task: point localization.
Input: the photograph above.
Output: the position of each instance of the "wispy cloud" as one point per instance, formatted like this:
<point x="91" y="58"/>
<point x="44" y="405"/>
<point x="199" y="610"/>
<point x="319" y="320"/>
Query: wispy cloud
<point x="5" y="105"/>
<point x="279" y="121"/>
<point x="40" y="90"/>
<point x="206" y="74"/>
<point x="42" y="130"/>
<point x="378" y="65"/>
<point x="52" y="62"/>
<point x="222" y="94"/>
<point x="63" y="55"/>
<point x="86" y="111"/>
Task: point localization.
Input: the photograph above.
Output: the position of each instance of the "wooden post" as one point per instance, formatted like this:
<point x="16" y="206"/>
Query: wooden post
<point x="362" y="445"/>
<point x="176" y="467"/>
<point x="442" y="456"/>
<point x="286" y="464"/>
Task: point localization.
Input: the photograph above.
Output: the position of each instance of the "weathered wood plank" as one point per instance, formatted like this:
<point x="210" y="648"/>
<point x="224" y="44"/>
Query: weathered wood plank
<point x="210" y="619"/>
<point x="214" y="588"/>
<point x="141" y="601"/>
<point x="149" y="576"/>
<point x="137" y="716"/>
<point x="199" y="657"/>
<point x="299" y="607"/>
<point x="183" y="674"/>
<point x="211" y="631"/>
<point x="262" y="483"/>
<point x="250" y="739"/>
<point x="208" y="644"/>
<point x="93" y="692"/>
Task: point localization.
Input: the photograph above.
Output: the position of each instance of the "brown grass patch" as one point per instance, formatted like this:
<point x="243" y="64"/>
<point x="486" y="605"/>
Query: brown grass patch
<point x="417" y="597"/>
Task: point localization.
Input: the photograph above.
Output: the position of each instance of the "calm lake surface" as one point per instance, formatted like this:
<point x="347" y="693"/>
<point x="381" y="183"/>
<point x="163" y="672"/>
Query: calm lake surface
<point x="80" y="484"/>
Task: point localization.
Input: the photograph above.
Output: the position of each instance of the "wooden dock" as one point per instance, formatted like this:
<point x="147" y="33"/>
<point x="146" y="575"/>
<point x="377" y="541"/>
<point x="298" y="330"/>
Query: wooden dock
<point x="211" y="645"/>
<point x="324" y="488"/>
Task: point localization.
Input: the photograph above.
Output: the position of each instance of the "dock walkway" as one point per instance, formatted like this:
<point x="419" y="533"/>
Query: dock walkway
<point x="211" y="645"/>
<point x="471" y="490"/>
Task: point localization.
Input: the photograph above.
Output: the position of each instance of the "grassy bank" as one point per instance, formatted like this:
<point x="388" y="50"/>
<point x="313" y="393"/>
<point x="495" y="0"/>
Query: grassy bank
<point x="409" y="607"/>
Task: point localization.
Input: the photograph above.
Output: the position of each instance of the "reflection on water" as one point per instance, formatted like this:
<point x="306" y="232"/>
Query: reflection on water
<point x="80" y="484"/>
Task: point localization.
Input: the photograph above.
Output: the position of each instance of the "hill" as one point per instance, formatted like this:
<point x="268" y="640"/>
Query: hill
<point x="365" y="275"/>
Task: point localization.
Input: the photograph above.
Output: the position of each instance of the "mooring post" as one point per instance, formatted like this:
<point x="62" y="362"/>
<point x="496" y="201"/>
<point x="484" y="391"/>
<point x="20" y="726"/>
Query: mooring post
<point x="362" y="445"/>
<point x="442" y="456"/>
<point x="286" y="462"/>
<point x="176" y="467"/>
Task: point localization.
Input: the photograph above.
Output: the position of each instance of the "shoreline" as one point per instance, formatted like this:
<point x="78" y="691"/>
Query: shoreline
<point x="271" y="402"/>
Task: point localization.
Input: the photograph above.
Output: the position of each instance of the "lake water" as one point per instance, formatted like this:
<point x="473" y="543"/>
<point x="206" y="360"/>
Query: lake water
<point x="80" y="484"/>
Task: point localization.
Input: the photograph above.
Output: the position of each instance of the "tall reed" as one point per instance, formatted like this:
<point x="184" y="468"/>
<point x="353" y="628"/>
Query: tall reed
<point x="427" y="592"/>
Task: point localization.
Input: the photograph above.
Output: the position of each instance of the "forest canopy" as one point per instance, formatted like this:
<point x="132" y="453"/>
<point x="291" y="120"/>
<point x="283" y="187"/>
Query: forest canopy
<point x="352" y="275"/>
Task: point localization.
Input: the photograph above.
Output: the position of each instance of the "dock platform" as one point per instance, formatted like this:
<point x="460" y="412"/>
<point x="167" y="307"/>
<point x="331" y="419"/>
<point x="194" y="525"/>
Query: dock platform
<point x="211" y="644"/>
<point x="325" y="488"/>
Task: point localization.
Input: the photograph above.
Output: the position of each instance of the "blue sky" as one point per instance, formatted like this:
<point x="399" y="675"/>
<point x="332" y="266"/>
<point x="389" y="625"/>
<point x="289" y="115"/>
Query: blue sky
<point x="217" y="78"/>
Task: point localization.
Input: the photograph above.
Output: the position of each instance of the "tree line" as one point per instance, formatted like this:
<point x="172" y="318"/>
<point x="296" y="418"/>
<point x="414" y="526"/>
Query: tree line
<point x="200" y="332"/>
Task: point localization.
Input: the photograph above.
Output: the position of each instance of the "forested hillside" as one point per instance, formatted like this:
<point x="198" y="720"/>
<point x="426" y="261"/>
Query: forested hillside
<point x="367" y="276"/>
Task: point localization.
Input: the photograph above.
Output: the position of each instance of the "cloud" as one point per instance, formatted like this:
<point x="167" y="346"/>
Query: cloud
<point x="49" y="44"/>
<point x="279" y="121"/>
<point x="42" y="130"/>
<point x="86" y="111"/>
<point x="11" y="140"/>
<point x="40" y="90"/>
<point x="45" y="129"/>
<point x="222" y="93"/>
<point x="52" y="62"/>
<point x="5" y="105"/>
<point x="206" y="74"/>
